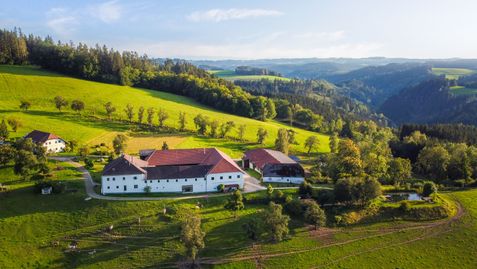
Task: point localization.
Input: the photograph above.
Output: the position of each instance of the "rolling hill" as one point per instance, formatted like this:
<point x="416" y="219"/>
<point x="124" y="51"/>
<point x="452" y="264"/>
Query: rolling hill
<point x="40" y="87"/>
<point x="232" y="76"/>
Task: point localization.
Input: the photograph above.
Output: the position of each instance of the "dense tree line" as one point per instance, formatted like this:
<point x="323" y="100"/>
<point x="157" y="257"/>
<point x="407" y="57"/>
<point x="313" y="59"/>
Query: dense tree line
<point x="100" y="63"/>
<point x="459" y="133"/>
<point x="249" y="70"/>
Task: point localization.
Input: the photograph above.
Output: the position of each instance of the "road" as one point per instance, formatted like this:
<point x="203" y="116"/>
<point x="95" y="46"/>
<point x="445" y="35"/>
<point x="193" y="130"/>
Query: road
<point x="251" y="185"/>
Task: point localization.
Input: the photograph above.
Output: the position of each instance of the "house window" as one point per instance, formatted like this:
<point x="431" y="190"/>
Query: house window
<point x="196" y="179"/>
<point x="177" y="180"/>
<point x="221" y="177"/>
<point x="238" y="176"/>
<point x="135" y="177"/>
<point x="212" y="178"/>
<point x="117" y="187"/>
<point x="135" y="186"/>
<point x="107" y="179"/>
<point x="109" y="187"/>
<point x="185" y="180"/>
<point x="205" y="179"/>
<point x="114" y="179"/>
<point x="167" y="180"/>
<point x="187" y="188"/>
<point x="124" y="178"/>
<point x="150" y="181"/>
<point x="230" y="177"/>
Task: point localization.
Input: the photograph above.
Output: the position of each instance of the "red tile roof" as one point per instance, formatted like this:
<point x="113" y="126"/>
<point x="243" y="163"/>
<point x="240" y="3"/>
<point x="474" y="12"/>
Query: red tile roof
<point x="125" y="165"/>
<point x="213" y="159"/>
<point x="261" y="157"/>
<point x="41" y="137"/>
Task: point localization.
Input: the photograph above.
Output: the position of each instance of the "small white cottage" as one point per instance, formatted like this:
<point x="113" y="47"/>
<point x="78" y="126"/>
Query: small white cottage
<point x="51" y="142"/>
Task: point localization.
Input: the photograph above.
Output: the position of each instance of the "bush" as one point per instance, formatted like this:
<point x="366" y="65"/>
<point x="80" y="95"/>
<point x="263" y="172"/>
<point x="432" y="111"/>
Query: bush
<point x="88" y="163"/>
<point x="305" y="190"/>
<point x="324" y="196"/>
<point x="294" y="208"/>
<point x="405" y="206"/>
<point x="57" y="187"/>
<point x="429" y="188"/>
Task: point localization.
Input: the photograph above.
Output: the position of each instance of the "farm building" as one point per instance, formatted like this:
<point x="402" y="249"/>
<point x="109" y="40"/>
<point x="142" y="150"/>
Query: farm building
<point x="274" y="166"/>
<point x="51" y="142"/>
<point x="178" y="171"/>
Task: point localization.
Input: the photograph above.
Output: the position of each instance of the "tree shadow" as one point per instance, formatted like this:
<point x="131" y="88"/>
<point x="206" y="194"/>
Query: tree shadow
<point x="28" y="70"/>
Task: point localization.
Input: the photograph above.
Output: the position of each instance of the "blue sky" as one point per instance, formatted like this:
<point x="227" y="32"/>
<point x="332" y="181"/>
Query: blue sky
<point x="205" y="29"/>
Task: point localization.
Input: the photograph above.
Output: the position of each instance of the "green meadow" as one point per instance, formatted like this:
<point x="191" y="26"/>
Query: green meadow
<point x="231" y="75"/>
<point x="35" y="231"/>
<point x="452" y="73"/>
<point x="91" y="127"/>
<point x="462" y="90"/>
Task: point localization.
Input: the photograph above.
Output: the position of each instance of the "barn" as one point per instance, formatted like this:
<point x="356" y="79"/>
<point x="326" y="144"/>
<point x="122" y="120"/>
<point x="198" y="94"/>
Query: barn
<point x="274" y="166"/>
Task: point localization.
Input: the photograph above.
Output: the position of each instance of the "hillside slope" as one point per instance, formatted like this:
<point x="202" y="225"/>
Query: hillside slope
<point x="40" y="87"/>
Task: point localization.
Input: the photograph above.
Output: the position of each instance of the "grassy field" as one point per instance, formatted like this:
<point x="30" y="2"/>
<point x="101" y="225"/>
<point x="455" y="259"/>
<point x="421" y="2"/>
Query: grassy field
<point x="40" y="87"/>
<point x="452" y="73"/>
<point x="231" y="75"/>
<point x="461" y="90"/>
<point x="35" y="231"/>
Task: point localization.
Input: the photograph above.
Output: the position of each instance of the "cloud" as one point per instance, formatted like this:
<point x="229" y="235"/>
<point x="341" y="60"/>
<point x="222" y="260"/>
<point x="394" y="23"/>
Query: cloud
<point x="61" y="22"/>
<point x="322" y="36"/>
<point x="218" y="15"/>
<point x="107" y="12"/>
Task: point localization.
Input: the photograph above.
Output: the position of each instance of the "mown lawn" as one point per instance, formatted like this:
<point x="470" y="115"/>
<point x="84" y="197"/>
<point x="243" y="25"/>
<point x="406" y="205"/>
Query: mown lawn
<point x="40" y="87"/>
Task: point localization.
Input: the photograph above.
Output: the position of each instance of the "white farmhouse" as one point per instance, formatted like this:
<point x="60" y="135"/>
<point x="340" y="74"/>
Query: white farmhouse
<point x="172" y="171"/>
<point x="274" y="166"/>
<point x="51" y="142"/>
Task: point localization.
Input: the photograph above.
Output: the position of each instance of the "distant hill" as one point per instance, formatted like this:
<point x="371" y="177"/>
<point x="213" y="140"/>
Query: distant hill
<point x="433" y="101"/>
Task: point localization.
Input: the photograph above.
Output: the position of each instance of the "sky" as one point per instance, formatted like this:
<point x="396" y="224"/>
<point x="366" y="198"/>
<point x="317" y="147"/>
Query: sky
<point x="257" y="29"/>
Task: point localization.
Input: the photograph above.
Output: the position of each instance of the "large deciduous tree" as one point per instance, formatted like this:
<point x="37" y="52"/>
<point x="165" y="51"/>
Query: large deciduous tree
<point x="275" y="222"/>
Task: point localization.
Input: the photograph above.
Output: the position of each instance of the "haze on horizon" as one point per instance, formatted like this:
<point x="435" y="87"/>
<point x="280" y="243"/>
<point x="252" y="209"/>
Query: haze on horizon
<point x="257" y="29"/>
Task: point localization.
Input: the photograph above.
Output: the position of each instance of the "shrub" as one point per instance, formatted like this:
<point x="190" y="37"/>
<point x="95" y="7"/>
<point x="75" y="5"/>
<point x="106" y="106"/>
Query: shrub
<point x="429" y="188"/>
<point x="305" y="190"/>
<point x="88" y="163"/>
<point x="294" y="208"/>
<point x="147" y="189"/>
<point x="405" y="206"/>
<point x="324" y="196"/>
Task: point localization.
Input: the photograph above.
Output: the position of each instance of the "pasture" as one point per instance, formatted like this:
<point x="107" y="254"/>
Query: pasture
<point x="461" y="90"/>
<point x="35" y="231"/>
<point x="232" y="76"/>
<point x="452" y="73"/>
<point x="91" y="127"/>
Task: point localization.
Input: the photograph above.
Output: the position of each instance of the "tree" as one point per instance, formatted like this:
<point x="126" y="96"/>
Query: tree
<point x="291" y="137"/>
<point x="252" y="229"/>
<point x="192" y="235"/>
<point x="162" y="116"/>
<point x="83" y="151"/>
<point x="433" y="161"/>
<point x="334" y="143"/>
<point x="7" y="154"/>
<point x="201" y="123"/>
<point x="271" y="111"/>
<point x="150" y="115"/>
<point x="315" y="215"/>
<point x="311" y="143"/>
<point x="276" y="222"/>
<point x="77" y="105"/>
<point x="269" y="191"/>
<point x="3" y="131"/>
<point x="119" y="143"/>
<point x="347" y="161"/>
<point x="225" y="128"/>
<point x="429" y="188"/>
<point x="14" y="123"/>
<point x="182" y="121"/>
<point x="262" y="134"/>
<point x="213" y="128"/>
<point x="25" y="105"/>
<point x="140" y="114"/>
<point x="25" y="164"/>
<point x="88" y="163"/>
<point x="165" y="146"/>
<point x="305" y="190"/>
<point x="259" y="105"/>
<point x="110" y="109"/>
<point x="129" y="110"/>
<point x="281" y="143"/>
<point x="60" y="102"/>
<point x="357" y="190"/>
<point x="236" y="201"/>
<point x="347" y="130"/>
<point x="399" y="170"/>
<point x="241" y="131"/>
<point x="293" y="110"/>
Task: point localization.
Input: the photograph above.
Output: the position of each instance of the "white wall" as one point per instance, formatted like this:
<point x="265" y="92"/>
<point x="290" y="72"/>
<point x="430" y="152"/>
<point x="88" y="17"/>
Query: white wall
<point x="55" y="145"/>
<point x="294" y="180"/>
<point x="168" y="185"/>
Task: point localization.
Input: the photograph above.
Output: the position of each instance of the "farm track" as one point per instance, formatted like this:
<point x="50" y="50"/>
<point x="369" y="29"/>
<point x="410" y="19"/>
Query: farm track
<point x="430" y="230"/>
